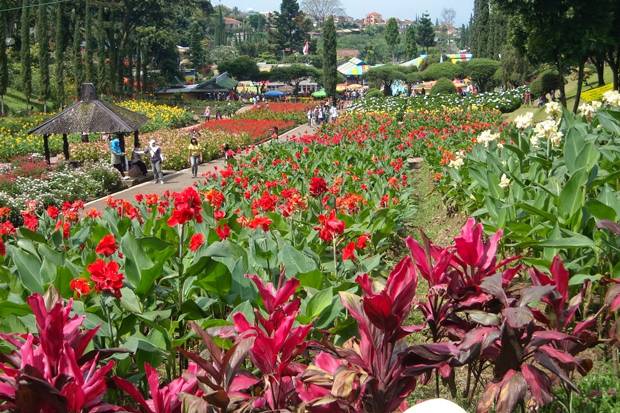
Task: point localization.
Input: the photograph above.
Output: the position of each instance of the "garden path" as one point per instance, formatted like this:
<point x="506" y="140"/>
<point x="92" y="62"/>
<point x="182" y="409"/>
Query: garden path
<point x="182" y="179"/>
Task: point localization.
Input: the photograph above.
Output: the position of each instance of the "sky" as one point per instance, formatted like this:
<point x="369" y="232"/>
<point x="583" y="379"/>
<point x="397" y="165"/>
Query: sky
<point x="388" y="8"/>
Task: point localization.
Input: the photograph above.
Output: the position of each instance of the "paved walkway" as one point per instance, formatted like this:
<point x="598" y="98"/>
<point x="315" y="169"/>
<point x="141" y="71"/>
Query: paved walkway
<point x="180" y="180"/>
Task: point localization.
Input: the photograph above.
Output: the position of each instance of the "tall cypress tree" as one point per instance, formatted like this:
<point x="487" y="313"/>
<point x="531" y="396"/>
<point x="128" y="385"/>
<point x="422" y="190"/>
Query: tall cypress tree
<point x="196" y="49"/>
<point x="26" y="63"/>
<point x="89" y="68"/>
<point x="78" y="75"/>
<point x="4" y="67"/>
<point x="480" y="30"/>
<point x="44" y="53"/>
<point x="220" y="29"/>
<point x="330" y="75"/>
<point x="59" y="56"/>
<point x="101" y="52"/>
<point x="392" y="36"/>
<point x="411" y="43"/>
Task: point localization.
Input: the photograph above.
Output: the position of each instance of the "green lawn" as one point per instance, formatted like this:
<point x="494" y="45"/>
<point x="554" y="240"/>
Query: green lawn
<point x="15" y="101"/>
<point x="571" y="91"/>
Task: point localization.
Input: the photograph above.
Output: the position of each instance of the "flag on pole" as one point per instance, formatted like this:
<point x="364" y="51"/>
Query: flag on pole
<point x="306" y="48"/>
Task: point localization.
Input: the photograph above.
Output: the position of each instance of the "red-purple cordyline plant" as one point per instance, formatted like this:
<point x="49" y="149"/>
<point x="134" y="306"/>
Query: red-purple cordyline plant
<point x="376" y="372"/>
<point x="49" y="372"/>
<point x="164" y="399"/>
<point x="224" y="385"/>
<point x="277" y="343"/>
<point x="455" y="275"/>
<point x="526" y="356"/>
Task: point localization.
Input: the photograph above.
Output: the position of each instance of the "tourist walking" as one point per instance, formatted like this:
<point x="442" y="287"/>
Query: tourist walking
<point x="333" y="114"/>
<point x="275" y="133"/>
<point x="310" y="116"/>
<point x="195" y="155"/>
<point x="207" y="113"/>
<point x="117" y="154"/>
<point x="154" y="151"/>
<point x="321" y="114"/>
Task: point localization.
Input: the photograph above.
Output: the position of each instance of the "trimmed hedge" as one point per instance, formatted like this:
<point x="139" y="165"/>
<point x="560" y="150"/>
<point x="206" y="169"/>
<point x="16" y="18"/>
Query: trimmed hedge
<point x="443" y="87"/>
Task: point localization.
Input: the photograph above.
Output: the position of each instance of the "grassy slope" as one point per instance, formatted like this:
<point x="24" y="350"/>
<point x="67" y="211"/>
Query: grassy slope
<point x="571" y="91"/>
<point x="15" y="101"/>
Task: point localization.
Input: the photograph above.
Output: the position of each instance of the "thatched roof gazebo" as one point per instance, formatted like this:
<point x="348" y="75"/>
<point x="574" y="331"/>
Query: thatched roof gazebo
<point x="90" y="115"/>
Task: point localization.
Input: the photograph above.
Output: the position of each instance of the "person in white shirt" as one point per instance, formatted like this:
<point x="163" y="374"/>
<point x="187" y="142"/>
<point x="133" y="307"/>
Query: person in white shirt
<point x="333" y="114"/>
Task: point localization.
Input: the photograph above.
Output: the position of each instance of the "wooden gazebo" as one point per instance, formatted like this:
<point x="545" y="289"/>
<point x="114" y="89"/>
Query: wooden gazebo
<point x="90" y="115"/>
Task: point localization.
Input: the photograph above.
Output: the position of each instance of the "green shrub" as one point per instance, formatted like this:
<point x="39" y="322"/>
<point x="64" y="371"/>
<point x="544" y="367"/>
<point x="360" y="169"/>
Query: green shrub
<point x="546" y="82"/>
<point x="446" y="70"/>
<point x="443" y="87"/>
<point x="482" y="72"/>
<point x="374" y="93"/>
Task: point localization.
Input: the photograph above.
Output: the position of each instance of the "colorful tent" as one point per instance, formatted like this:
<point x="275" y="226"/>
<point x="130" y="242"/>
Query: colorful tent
<point x="460" y="57"/>
<point x="354" y="67"/>
<point x="417" y="62"/>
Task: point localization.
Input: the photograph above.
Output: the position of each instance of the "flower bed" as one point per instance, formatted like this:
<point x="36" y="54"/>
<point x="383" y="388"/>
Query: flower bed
<point x="160" y="116"/>
<point x="42" y="187"/>
<point x="287" y="281"/>
<point x="257" y="129"/>
<point x="285" y="111"/>
<point x="507" y="101"/>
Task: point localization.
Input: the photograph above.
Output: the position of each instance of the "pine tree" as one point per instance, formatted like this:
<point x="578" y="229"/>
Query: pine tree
<point x="26" y="69"/>
<point x="59" y="56"/>
<point x="89" y="68"/>
<point x="426" y="32"/>
<point x="392" y="36"/>
<point x="289" y="31"/>
<point x="4" y="68"/>
<point x="44" y="56"/>
<point x="411" y="43"/>
<point x="78" y="75"/>
<point x="330" y="75"/>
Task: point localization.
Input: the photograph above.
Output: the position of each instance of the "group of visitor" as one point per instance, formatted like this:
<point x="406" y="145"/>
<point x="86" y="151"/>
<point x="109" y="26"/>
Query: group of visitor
<point x="136" y="166"/>
<point x="322" y="114"/>
<point x="207" y="114"/>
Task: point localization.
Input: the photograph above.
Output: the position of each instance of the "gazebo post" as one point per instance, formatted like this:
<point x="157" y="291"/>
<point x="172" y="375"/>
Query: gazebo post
<point x="121" y="138"/>
<point x="136" y="139"/>
<point x="65" y="146"/>
<point x="46" y="148"/>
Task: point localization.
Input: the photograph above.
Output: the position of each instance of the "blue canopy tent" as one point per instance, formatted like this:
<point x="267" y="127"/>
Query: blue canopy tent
<point x="274" y="94"/>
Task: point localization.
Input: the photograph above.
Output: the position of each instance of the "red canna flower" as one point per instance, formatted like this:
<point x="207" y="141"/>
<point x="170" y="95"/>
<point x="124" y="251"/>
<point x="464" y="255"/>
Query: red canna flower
<point x="4" y="212"/>
<point x="362" y="241"/>
<point x="187" y="207"/>
<point x="7" y="228"/>
<point x="93" y="213"/>
<point x="80" y="286"/>
<point x="318" y="186"/>
<point x="30" y="221"/>
<point x="260" y="222"/>
<point x="215" y="198"/>
<point x="52" y="212"/>
<point x="330" y="227"/>
<point x="219" y="214"/>
<point x="2" y="248"/>
<point x="196" y="242"/>
<point x="348" y="252"/>
<point x="106" y="277"/>
<point x="107" y="246"/>
<point x="223" y="231"/>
